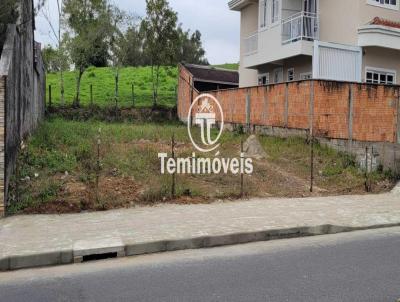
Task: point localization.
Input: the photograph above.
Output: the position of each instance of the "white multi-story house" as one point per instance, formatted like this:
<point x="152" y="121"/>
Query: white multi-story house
<point x="344" y="40"/>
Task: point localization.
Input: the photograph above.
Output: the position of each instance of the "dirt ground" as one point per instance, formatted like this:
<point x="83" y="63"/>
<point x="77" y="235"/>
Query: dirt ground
<point x="130" y="170"/>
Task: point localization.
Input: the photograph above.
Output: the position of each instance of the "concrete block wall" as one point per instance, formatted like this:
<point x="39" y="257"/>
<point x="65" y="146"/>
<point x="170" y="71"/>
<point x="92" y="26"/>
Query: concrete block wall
<point x="22" y="94"/>
<point x="2" y="144"/>
<point x="355" y="115"/>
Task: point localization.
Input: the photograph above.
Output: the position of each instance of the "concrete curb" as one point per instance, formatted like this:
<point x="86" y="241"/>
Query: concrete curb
<point x="136" y="248"/>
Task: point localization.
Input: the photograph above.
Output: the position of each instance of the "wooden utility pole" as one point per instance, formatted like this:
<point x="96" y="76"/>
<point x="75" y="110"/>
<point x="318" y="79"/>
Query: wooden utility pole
<point x="91" y="95"/>
<point x="311" y="162"/>
<point x="133" y="95"/>
<point x="173" y="189"/>
<point x="241" y="172"/>
<point x="50" y="102"/>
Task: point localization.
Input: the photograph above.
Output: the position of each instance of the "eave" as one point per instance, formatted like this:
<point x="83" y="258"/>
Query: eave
<point x="238" y="5"/>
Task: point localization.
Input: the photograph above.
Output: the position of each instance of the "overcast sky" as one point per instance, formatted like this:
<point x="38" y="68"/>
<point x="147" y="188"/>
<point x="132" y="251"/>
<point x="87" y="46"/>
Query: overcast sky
<point x="219" y="26"/>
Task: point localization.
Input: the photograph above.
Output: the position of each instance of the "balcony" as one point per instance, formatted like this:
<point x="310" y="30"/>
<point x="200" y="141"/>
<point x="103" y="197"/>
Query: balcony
<point x="251" y="44"/>
<point x="290" y="37"/>
<point x="300" y="26"/>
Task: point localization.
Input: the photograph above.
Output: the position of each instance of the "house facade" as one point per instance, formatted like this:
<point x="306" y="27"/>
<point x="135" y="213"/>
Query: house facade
<point x="343" y="40"/>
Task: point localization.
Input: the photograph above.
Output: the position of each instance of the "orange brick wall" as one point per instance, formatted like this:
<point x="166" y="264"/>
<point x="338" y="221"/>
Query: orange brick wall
<point x="375" y="113"/>
<point x="299" y="105"/>
<point x="340" y="110"/>
<point x="186" y="93"/>
<point x="233" y="103"/>
<point x="331" y="109"/>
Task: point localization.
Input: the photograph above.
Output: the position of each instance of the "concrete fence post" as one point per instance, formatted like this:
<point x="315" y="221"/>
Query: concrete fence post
<point x="311" y="112"/>
<point x="2" y="144"/>
<point x="350" y="117"/>
<point x="286" y="117"/>
<point x="265" y="111"/>
<point x="248" y="109"/>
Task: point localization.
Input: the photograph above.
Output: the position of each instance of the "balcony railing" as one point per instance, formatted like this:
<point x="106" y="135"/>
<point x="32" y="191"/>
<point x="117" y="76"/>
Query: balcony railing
<point x="251" y="44"/>
<point x="300" y="26"/>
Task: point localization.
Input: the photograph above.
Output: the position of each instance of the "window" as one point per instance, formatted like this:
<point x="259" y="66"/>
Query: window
<point x="391" y="4"/>
<point x="380" y="76"/>
<point x="263" y="13"/>
<point x="278" y="75"/>
<point x="269" y="12"/>
<point x="263" y="79"/>
<point x="275" y="11"/>
<point x="306" y="76"/>
<point x="290" y="74"/>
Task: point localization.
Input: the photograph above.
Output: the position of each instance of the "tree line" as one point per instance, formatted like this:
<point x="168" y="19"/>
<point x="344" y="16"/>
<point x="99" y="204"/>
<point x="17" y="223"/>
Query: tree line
<point x="98" y="33"/>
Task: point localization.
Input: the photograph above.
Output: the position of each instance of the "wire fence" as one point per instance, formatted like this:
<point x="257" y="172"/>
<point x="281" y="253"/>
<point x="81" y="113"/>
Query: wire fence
<point x="134" y="98"/>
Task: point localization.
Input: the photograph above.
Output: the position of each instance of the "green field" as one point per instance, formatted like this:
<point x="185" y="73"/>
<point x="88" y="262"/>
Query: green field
<point x="232" y="66"/>
<point x="103" y="81"/>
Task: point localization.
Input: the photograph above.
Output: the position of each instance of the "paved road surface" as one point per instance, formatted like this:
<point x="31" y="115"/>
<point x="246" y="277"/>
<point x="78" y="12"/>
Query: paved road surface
<point x="362" y="266"/>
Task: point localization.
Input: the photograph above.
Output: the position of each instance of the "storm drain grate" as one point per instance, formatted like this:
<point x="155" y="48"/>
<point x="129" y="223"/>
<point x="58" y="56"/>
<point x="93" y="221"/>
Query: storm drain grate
<point x="95" y="257"/>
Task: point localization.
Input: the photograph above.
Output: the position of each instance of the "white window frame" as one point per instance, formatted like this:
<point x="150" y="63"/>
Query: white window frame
<point x="266" y="13"/>
<point x="263" y="14"/>
<point x="279" y="70"/>
<point x="384" y="5"/>
<point x="381" y="71"/>
<point x="278" y="10"/>
<point x="306" y="76"/>
<point x="293" y="75"/>
<point x="267" y="80"/>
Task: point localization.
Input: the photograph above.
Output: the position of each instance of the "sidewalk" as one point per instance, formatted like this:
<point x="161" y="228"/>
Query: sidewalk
<point x="29" y="241"/>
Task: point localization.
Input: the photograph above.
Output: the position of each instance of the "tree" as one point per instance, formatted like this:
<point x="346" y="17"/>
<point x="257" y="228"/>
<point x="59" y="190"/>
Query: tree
<point x="59" y="60"/>
<point x="50" y="58"/>
<point x="90" y="30"/>
<point x="119" y="19"/>
<point x="8" y="15"/>
<point x="131" y="45"/>
<point x="160" y="38"/>
<point x="190" y="48"/>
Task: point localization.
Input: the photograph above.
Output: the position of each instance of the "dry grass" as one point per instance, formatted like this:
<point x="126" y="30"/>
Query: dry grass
<point x="62" y="154"/>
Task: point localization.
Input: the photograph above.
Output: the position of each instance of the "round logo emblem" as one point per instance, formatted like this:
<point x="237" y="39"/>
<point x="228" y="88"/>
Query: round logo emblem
<point x="205" y="117"/>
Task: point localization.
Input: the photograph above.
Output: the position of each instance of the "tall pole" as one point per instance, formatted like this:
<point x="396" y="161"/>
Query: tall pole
<point x="311" y="162"/>
<point x="241" y="172"/>
<point x="173" y="190"/>
<point x="50" y="102"/>
<point x="91" y="95"/>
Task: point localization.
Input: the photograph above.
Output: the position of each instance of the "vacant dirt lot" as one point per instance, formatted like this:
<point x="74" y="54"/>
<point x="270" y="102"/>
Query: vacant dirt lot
<point x="59" y="170"/>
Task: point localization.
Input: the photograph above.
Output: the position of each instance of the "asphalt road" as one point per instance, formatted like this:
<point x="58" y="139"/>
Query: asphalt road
<point x="361" y="266"/>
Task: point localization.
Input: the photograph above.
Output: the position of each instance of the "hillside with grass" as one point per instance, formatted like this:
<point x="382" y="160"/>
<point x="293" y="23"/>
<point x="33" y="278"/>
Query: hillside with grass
<point x="103" y="83"/>
<point x="230" y="66"/>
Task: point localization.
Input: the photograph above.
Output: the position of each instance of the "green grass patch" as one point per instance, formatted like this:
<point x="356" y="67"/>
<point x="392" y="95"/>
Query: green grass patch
<point x="231" y="66"/>
<point x="103" y="81"/>
<point x="60" y="163"/>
